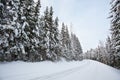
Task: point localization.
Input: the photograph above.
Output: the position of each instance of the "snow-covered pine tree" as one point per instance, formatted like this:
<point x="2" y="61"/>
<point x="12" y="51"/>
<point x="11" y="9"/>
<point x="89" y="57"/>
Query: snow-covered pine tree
<point x="79" y="49"/>
<point x="66" y="43"/>
<point x="76" y="47"/>
<point x="2" y="35"/>
<point x="101" y="52"/>
<point x="115" y="29"/>
<point x="73" y="45"/>
<point x="44" y="34"/>
<point x="3" y="24"/>
<point x="28" y="31"/>
<point x="57" y="43"/>
<point x="31" y="30"/>
<point x="8" y="29"/>
<point x="38" y="45"/>
<point x="50" y="52"/>
<point x="23" y="39"/>
<point x="14" y="11"/>
<point x="110" y="51"/>
<point x="51" y="42"/>
<point x="62" y="40"/>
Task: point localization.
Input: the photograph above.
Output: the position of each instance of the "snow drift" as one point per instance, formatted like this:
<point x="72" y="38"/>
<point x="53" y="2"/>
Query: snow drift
<point x="75" y="70"/>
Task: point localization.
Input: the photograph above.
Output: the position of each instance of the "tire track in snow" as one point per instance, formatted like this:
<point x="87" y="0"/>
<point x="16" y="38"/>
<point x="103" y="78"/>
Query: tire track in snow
<point x="59" y="75"/>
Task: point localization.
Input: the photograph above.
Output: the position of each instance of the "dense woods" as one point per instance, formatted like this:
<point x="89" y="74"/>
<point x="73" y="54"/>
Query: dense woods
<point x="27" y="35"/>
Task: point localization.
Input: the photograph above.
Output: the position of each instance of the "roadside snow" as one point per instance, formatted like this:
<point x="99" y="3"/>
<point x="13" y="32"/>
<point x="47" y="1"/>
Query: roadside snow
<point x="75" y="70"/>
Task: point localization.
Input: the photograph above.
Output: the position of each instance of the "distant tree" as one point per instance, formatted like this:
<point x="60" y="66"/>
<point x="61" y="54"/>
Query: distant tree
<point x="76" y="47"/>
<point x="111" y="51"/>
<point x="100" y="54"/>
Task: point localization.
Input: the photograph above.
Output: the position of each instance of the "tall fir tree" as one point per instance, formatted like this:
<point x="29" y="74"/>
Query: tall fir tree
<point x="32" y="30"/>
<point x="45" y="33"/>
<point x="66" y="43"/>
<point x="76" y="47"/>
<point x="9" y="29"/>
<point x="56" y="37"/>
<point x="28" y="30"/>
<point x="51" y="54"/>
<point x="62" y="40"/>
<point x="110" y="51"/>
<point x="23" y="39"/>
<point x="50" y="28"/>
<point x="38" y="46"/>
<point x="115" y="29"/>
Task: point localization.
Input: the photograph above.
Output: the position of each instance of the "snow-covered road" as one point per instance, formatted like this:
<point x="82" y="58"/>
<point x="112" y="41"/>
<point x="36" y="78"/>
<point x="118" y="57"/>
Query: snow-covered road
<point x="84" y="70"/>
<point x="60" y="75"/>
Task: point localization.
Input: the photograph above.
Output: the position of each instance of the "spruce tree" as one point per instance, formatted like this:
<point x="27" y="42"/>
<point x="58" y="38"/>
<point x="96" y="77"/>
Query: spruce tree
<point x="62" y="39"/>
<point x="23" y="39"/>
<point x="9" y="28"/>
<point x="57" y="43"/>
<point x="66" y="43"/>
<point x="115" y="29"/>
<point x="45" y="33"/>
<point x="53" y="37"/>
<point x="76" y="47"/>
<point x="110" y="51"/>
<point x="51" y="54"/>
<point x="31" y="30"/>
<point x="28" y="30"/>
<point x="38" y="25"/>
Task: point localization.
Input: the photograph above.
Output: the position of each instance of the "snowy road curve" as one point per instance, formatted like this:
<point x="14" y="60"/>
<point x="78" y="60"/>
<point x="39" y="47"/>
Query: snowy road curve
<point x="60" y="75"/>
<point x="76" y="70"/>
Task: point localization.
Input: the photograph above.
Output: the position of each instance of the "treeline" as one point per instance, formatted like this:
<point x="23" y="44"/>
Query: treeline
<point x="109" y="53"/>
<point x="103" y="53"/>
<point x="26" y="35"/>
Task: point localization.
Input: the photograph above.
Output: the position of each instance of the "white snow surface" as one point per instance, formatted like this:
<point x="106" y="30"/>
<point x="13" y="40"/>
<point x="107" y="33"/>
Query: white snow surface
<point x="75" y="70"/>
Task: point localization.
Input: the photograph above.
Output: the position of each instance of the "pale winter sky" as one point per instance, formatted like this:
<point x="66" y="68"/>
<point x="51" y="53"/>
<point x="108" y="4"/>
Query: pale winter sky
<point x="88" y="17"/>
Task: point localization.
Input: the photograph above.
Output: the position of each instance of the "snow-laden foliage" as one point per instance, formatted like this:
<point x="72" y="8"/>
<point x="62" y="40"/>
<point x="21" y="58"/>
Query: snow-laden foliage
<point x="115" y="29"/>
<point x="71" y="47"/>
<point x="76" y="47"/>
<point x="9" y="29"/>
<point x="27" y="35"/>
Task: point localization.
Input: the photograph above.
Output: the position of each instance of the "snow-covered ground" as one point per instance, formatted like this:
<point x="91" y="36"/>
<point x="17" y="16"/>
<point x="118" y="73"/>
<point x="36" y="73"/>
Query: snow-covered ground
<point x="75" y="70"/>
